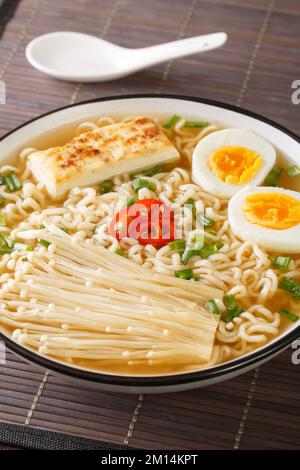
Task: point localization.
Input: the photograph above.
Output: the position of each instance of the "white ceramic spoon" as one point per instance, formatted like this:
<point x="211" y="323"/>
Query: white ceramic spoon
<point x="83" y="58"/>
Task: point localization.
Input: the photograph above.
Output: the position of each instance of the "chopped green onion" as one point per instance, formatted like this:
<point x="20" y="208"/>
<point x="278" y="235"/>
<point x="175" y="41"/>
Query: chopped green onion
<point x="12" y="182"/>
<point x="229" y="301"/>
<point x="273" y="177"/>
<point x="281" y="262"/>
<point x="140" y="183"/>
<point x="106" y="187"/>
<point x="204" y="252"/>
<point x="121" y="252"/>
<point x="22" y="247"/>
<point x="229" y="315"/>
<point x="5" y="240"/>
<point x="207" y="222"/>
<point x="291" y="286"/>
<point x="15" y="179"/>
<point x="184" y="274"/>
<point x="210" y="247"/>
<point x="289" y="315"/>
<point x="2" y="219"/>
<point x="1" y="180"/>
<point x="44" y="243"/>
<point x="2" y="200"/>
<point x="219" y="245"/>
<point x="4" y="251"/>
<point x="287" y="284"/>
<point x="172" y="121"/>
<point x="65" y="229"/>
<point x="213" y="308"/>
<point x="151" y="172"/>
<point x="177" y="245"/>
<point x="233" y="309"/>
<point x="188" y="254"/>
<point x="293" y="171"/>
<point x="131" y="200"/>
<point x="196" y="124"/>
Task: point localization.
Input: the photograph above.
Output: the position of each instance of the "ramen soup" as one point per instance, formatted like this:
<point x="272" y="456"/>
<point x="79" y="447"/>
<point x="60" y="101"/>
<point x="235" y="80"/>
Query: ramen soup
<point x="149" y="247"/>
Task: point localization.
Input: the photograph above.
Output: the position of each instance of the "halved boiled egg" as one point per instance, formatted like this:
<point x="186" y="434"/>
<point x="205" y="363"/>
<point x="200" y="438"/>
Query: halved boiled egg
<point x="268" y="216"/>
<point x="226" y="161"/>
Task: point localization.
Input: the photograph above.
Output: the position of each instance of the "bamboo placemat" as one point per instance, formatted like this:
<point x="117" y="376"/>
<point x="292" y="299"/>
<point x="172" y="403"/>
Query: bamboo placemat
<point x="255" y="69"/>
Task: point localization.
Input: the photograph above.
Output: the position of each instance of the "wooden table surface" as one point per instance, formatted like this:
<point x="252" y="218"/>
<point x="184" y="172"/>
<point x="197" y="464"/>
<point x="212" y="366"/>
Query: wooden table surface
<point x="255" y="69"/>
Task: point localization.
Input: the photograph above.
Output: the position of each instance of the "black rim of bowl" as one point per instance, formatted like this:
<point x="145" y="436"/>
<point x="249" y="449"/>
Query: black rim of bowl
<point x="219" y="371"/>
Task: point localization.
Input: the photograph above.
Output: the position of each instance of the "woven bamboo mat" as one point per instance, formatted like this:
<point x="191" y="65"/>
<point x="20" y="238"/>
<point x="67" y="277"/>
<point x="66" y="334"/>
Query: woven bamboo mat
<point x="256" y="68"/>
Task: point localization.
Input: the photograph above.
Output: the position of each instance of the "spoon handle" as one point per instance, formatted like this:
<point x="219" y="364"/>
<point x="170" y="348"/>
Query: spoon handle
<point x="184" y="47"/>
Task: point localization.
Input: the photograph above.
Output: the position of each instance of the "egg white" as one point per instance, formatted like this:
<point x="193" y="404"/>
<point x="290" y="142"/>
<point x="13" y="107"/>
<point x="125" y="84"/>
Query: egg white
<point x="285" y="241"/>
<point x="201" y="173"/>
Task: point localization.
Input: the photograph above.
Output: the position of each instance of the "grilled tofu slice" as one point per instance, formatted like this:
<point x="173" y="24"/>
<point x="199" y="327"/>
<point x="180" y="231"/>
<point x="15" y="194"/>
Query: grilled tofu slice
<point x="101" y="154"/>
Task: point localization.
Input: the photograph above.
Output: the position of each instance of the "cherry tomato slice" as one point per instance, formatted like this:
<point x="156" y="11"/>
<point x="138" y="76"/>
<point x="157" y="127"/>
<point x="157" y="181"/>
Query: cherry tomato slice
<point x="148" y="221"/>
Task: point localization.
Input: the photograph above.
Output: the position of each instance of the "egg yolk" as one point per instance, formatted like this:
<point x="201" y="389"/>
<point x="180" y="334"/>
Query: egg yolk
<point x="234" y="165"/>
<point x="272" y="210"/>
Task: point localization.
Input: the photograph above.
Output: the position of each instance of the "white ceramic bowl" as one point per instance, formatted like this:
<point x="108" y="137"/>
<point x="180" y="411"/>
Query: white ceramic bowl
<point x="60" y="125"/>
